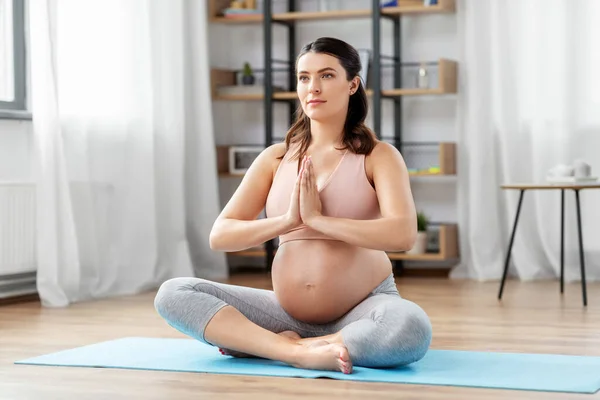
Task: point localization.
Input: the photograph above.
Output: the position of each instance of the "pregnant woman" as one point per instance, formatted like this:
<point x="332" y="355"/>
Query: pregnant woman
<point x="337" y="199"/>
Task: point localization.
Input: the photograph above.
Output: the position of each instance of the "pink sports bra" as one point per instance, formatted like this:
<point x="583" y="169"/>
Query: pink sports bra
<point x="347" y="193"/>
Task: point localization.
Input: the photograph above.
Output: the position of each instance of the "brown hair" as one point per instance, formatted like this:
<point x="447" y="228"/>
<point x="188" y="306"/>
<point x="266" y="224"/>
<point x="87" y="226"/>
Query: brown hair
<point x="357" y="136"/>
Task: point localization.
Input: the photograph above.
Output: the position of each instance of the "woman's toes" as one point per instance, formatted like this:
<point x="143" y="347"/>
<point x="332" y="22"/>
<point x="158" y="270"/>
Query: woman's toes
<point x="237" y="354"/>
<point x="345" y="367"/>
<point x="345" y="362"/>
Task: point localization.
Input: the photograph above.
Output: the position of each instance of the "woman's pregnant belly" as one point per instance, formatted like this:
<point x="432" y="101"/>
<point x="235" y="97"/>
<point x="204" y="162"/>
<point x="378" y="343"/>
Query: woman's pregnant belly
<point x="318" y="281"/>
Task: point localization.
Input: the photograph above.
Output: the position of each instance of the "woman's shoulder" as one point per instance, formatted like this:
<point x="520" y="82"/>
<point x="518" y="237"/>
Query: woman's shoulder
<point x="384" y="152"/>
<point x="276" y="150"/>
<point x="272" y="155"/>
<point x="384" y="156"/>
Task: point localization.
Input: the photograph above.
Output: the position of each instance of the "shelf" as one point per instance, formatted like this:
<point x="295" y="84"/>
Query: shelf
<point x="315" y="15"/>
<point x="447" y="82"/>
<point x="295" y="16"/>
<point x="405" y="7"/>
<point x="448" y="239"/>
<point x="224" y="77"/>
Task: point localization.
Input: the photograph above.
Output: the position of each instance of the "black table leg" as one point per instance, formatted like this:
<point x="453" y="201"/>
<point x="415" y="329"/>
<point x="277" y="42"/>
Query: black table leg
<point x="510" y="244"/>
<point x="581" y="258"/>
<point x="562" y="240"/>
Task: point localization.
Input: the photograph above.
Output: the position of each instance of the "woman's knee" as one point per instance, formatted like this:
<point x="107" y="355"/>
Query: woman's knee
<point x="410" y="333"/>
<point x="169" y="294"/>
<point x="397" y="332"/>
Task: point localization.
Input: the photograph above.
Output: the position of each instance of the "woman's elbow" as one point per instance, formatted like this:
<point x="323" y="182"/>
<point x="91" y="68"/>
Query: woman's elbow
<point x="402" y="236"/>
<point x="215" y="239"/>
<point x="404" y="241"/>
<point x="409" y="241"/>
<point x="402" y="245"/>
<point x="222" y="237"/>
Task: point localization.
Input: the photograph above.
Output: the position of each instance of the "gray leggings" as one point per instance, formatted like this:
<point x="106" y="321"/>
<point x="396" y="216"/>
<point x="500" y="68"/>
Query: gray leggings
<point x="384" y="330"/>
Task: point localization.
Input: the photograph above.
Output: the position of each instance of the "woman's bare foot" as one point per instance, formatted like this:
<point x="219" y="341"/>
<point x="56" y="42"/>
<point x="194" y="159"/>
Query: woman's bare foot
<point x="324" y="356"/>
<point x="293" y="336"/>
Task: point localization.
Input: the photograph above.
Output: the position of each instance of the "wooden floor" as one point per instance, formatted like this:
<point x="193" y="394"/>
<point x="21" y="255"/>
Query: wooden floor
<point x="533" y="317"/>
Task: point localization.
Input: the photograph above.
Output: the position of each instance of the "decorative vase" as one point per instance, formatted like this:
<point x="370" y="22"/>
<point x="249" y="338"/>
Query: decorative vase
<point x="420" y="246"/>
<point x="248" y="79"/>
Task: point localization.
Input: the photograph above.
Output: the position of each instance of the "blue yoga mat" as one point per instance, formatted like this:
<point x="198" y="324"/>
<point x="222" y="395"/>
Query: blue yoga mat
<point x="541" y="372"/>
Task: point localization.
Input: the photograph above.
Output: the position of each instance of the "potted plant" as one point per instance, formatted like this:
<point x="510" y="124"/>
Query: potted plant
<point x="420" y="246"/>
<point x="248" y="76"/>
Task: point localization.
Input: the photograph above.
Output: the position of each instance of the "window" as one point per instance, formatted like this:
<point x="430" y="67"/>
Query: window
<point x="12" y="56"/>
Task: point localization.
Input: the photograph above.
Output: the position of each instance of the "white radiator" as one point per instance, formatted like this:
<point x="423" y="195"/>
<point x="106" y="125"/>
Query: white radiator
<point x="17" y="239"/>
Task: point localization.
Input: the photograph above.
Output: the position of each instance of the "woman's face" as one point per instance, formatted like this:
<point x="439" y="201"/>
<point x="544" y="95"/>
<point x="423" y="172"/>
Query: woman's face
<point x="322" y="87"/>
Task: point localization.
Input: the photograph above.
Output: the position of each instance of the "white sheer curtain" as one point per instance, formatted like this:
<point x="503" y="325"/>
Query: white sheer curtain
<point x="127" y="189"/>
<point x="529" y="100"/>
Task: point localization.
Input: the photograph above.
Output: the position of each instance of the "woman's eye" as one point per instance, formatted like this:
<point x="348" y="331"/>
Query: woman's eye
<point x="302" y="78"/>
<point x="327" y="76"/>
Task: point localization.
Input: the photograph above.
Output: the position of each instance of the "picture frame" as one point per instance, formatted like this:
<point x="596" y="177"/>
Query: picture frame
<point x="242" y="157"/>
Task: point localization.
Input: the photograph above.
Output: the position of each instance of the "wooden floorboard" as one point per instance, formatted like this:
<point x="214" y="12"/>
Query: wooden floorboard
<point x="533" y="317"/>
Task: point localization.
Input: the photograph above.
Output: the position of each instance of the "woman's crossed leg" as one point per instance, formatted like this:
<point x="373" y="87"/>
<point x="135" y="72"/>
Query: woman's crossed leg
<point x="383" y="330"/>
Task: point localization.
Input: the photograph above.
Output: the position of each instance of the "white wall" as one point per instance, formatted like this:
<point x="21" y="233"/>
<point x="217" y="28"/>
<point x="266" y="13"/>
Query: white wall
<point x="427" y="118"/>
<point x="15" y="150"/>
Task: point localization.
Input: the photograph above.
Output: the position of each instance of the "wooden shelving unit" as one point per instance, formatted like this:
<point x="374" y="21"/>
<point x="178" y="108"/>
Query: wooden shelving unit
<point x="448" y="248"/>
<point x="405" y="7"/>
<point x="224" y="88"/>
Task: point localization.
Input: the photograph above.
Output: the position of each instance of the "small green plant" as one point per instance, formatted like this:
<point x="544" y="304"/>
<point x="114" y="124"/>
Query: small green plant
<point x="247" y="69"/>
<point x="422" y="222"/>
<point x="247" y="75"/>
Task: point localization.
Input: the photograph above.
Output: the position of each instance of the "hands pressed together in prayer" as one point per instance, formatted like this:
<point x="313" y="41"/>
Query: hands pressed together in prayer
<point x="305" y="203"/>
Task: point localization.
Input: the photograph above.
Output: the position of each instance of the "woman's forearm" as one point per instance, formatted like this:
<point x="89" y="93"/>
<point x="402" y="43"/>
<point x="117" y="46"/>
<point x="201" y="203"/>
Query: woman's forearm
<point x="235" y="235"/>
<point x="387" y="234"/>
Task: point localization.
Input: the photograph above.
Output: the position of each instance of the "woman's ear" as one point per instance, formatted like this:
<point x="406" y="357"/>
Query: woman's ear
<point x="354" y="84"/>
